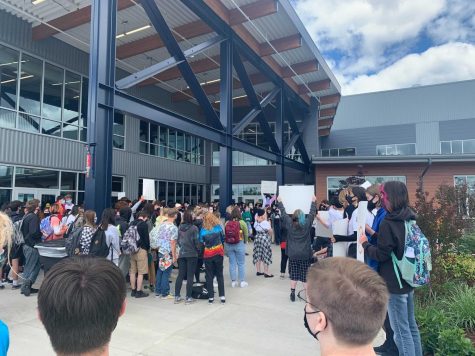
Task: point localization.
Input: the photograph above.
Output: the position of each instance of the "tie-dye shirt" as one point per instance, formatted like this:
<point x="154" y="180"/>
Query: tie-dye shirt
<point x="213" y="241"/>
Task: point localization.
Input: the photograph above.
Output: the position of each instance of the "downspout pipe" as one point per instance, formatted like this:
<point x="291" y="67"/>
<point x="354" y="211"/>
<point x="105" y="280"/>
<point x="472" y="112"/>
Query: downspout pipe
<point x="424" y="172"/>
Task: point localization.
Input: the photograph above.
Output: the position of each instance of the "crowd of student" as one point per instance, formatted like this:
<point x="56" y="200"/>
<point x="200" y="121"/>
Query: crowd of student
<point x="189" y="237"/>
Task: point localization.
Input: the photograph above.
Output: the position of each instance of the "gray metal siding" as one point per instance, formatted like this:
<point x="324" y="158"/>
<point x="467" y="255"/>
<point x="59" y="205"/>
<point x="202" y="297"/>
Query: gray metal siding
<point x="427" y="138"/>
<point x="440" y="102"/>
<point x="255" y="174"/>
<point x="457" y="130"/>
<point x="365" y="140"/>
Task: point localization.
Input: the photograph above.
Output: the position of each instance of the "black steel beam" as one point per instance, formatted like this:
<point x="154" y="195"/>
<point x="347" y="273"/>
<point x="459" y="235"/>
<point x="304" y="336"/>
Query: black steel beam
<point x="174" y="49"/>
<point x="295" y="129"/>
<point x="100" y="111"/>
<point x="279" y="137"/>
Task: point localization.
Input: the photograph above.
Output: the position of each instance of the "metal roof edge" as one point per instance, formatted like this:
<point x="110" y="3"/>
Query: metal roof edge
<point x="290" y="11"/>
<point x="393" y="159"/>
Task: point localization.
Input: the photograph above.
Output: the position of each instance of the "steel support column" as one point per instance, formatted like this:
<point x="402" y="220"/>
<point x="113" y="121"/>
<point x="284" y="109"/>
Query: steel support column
<point x="226" y="118"/>
<point x="279" y="138"/>
<point x="100" y="113"/>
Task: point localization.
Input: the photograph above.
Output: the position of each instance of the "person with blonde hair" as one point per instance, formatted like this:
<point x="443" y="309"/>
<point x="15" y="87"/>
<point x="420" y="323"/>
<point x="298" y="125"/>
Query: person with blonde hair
<point x="212" y="236"/>
<point x="6" y="233"/>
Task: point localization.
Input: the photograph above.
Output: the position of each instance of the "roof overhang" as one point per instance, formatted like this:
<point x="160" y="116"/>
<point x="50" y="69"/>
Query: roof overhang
<point x="393" y="159"/>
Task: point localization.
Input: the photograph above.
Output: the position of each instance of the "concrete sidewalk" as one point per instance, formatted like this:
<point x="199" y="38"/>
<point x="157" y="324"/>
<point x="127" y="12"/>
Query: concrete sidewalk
<point x="257" y="320"/>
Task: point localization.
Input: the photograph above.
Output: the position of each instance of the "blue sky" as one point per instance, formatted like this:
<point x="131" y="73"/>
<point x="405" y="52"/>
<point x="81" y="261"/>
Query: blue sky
<point x="374" y="45"/>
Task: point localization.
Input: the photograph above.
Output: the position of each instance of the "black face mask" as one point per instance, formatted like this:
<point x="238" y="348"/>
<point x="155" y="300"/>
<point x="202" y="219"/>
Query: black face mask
<point x="305" y="323"/>
<point x="349" y="199"/>
<point x="371" y="205"/>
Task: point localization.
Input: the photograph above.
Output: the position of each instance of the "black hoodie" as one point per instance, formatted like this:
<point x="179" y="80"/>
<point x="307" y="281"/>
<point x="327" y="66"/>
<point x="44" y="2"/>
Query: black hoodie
<point x="122" y="220"/>
<point x="391" y="238"/>
<point x="188" y="241"/>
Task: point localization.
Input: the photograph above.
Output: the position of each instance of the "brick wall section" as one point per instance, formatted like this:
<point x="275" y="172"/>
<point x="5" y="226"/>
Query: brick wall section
<point x="438" y="173"/>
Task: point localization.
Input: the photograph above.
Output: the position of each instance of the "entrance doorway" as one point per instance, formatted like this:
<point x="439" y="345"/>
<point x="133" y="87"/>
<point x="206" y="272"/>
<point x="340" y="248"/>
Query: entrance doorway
<point x="43" y="195"/>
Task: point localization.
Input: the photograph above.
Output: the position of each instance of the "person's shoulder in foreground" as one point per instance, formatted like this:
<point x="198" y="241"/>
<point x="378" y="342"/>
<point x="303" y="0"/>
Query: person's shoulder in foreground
<point x="4" y="339"/>
<point x="346" y="305"/>
<point x="79" y="304"/>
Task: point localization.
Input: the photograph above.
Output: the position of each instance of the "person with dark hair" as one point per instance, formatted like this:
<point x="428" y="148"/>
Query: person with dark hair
<point x="391" y="240"/>
<point x="16" y="252"/>
<point x="32" y="235"/>
<point x="122" y="223"/>
<point x="188" y="247"/>
<point x="262" y="254"/>
<point x="79" y="304"/>
<point x="237" y="251"/>
<point x="112" y="235"/>
<point x="88" y="231"/>
<point x="299" y="245"/>
<point x="348" y="327"/>
<point x="139" y="260"/>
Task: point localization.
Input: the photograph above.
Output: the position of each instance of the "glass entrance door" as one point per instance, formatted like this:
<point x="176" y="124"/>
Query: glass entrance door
<point x="43" y="195"/>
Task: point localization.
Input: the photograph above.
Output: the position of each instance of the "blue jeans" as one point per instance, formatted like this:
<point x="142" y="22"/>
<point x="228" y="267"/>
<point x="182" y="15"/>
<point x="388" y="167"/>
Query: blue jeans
<point x="403" y="323"/>
<point x="237" y="255"/>
<point x="32" y="264"/>
<point x="162" y="284"/>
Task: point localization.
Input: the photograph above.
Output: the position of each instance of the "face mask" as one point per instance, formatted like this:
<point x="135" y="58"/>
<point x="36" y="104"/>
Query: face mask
<point x="371" y="205"/>
<point x="47" y="214"/>
<point x="305" y="323"/>
<point x="349" y="199"/>
<point x="69" y="201"/>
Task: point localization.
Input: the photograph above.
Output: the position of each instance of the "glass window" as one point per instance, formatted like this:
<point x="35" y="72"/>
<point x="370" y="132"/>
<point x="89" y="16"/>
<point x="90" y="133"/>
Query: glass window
<point x="445" y="147"/>
<point x="187" y="191"/>
<point x="7" y="118"/>
<point x="469" y="146"/>
<point x="72" y="92"/>
<point x="200" y="193"/>
<point x="53" y="92"/>
<point x="180" y="141"/>
<point x="118" y="142"/>
<point x="406" y="149"/>
<point x="346" y="151"/>
<point x="162" y="191"/>
<point x="118" y="139"/>
<point x="144" y="131"/>
<point x="171" y="138"/>
<point x="171" y="153"/>
<point x="70" y="131"/>
<point x="29" y="123"/>
<point x="325" y="153"/>
<point x="8" y="77"/>
<point x="171" y="193"/>
<point x="84" y="100"/>
<point x="144" y="147"/>
<point x="36" y="178"/>
<point x="154" y="151"/>
<point x="457" y="146"/>
<point x="179" y="193"/>
<point x="6" y="176"/>
<point x="118" y="184"/>
<point x="5" y="196"/>
<point x="30" y="85"/>
<point x="193" y="194"/>
<point x="164" y="136"/>
<point x="334" y="184"/>
<point x="68" y="181"/>
<point x="81" y="181"/>
<point x="154" y="134"/>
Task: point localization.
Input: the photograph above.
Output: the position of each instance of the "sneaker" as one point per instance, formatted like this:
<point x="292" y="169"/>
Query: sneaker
<point x="18" y="286"/>
<point x="259" y="274"/>
<point x="233" y="284"/>
<point x="210" y="300"/>
<point x="34" y="290"/>
<point x="25" y="288"/>
<point x="223" y="300"/>
<point x="282" y="276"/>
<point x="268" y="275"/>
<point x="166" y="297"/>
<point x="292" y="296"/>
<point x="178" y="300"/>
<point x="133" y="293"/>
<point x="189" y="301"/>
<point x="141" y="294"/>
<point x="2" y="286"/>
<point x="244" y="284"/>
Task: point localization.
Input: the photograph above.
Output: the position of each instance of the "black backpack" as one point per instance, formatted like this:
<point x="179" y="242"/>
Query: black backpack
<point x="99" y="246"/>
<point x="199" y="292"/>
<point x="73" y="247"/>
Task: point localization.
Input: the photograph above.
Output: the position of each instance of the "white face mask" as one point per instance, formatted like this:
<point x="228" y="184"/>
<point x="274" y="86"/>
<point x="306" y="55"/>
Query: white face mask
<point x="69" y="201"/>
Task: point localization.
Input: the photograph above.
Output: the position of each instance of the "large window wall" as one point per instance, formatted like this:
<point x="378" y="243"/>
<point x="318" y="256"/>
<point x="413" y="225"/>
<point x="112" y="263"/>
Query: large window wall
<point x="172" y="144"/>
<point x="247" y="193"/>
<point x="403" y="149"/>
<point x="457" y="147"/>
<point x="177" y="192"/>
<point x="40" y="97"/>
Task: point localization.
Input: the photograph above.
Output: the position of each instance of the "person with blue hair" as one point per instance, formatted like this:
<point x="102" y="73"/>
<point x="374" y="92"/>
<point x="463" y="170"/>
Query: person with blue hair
<point x="299" y="247"/>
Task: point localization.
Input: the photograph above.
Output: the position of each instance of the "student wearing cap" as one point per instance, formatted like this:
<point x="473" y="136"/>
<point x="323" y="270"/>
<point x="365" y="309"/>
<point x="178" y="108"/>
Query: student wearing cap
<point x="262" y="254"/>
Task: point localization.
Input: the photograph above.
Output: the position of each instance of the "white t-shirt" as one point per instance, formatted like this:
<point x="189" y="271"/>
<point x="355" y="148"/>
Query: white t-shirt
<point x="262" y="226"/>
<point x="113" y="240"/>
<point x="353" y="224"/>
<point x="334" y="215"/>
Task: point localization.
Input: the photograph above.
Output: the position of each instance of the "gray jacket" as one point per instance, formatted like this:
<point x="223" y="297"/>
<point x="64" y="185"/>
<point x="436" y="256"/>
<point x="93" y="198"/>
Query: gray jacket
<point x="298" y="237"/>
<point x="188" y="242"/>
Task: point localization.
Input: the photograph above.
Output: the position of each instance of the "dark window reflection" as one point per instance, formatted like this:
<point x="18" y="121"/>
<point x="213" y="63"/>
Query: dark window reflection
<point x="36" y="178"/>
<point x="72" y="91"/>
<point x="7" y="118"/>
<point x="5" y="196"/>
<point x="171" y="193"/>
<point x="28" y="123"/>
<point x="84" y="100"/>
<point x="162" y="191"/>
<point x="53" y="92"/>
<point x="179" y="193"/>
<point x="8" y="77"/>
<point x="119" y="128"/>
<point x="52" y="128"/>
<point x="30" y="85"/>
<point x="117" y="184"/>
<point x="68" y="181"/>
<point x="118" y="142"/>
<point x="70" y="131"/>
<point x="6" y="176"/>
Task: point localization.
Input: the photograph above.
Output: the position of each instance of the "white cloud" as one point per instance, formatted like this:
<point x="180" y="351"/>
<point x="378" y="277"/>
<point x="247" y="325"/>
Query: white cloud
<point x="445" y="63"/>
<point x="363" y="30"/>
<point x="456" y="23"/>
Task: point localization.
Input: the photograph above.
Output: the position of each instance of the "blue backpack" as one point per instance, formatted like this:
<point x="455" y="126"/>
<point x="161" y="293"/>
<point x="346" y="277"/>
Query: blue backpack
<point x="46" y="228"/>
<point x="416" y="264"/>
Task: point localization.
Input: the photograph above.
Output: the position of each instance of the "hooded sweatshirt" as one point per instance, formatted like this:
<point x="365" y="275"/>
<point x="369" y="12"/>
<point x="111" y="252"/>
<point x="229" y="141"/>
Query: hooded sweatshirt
<point x="122" y="221"/>
<point x="188" y="243"/>
<point x="298" y="237"/>
<point x="391" y="238"/>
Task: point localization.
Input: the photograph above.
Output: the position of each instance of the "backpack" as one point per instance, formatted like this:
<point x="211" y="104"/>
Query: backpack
<point x="73" y="242"/>
<point x="71" y="227"/>
<point x="129" y="241"/>
<point x="46" y="228"/>
<point x="415" y="265"/>
<point x="154" y="238"/>
<point x="18" y="238"/>
<point x="199" y="292"/>
<point x="99" y="246"/>
<point x="232" y="232"/>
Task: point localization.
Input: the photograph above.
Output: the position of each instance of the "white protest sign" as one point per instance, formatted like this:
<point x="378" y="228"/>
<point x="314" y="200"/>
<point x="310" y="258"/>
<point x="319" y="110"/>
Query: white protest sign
<point x="149" y="189"/>
<point x="120" y="195"/>
<point x="340" y="227"/>
<point x="321" y="229"/>
<point x="361" y="220"/>
<point x="366" y="185"/>
<point x="340" y="249"/>
<point x="296" y="197"/>
<point x="268" y="187"/>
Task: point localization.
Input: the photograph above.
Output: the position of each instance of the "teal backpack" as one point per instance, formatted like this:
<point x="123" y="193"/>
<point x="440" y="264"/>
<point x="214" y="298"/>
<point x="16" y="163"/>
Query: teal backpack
<point x="415" y="265"/>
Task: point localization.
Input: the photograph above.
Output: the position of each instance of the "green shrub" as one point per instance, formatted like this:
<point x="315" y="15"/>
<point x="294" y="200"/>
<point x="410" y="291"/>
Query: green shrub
<point x="432" y="321"/>
<point x="467" y="244"/>
<point x="460" y="307"/>
<point x="453" y="342"/>
<point x="457" y="267"/>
